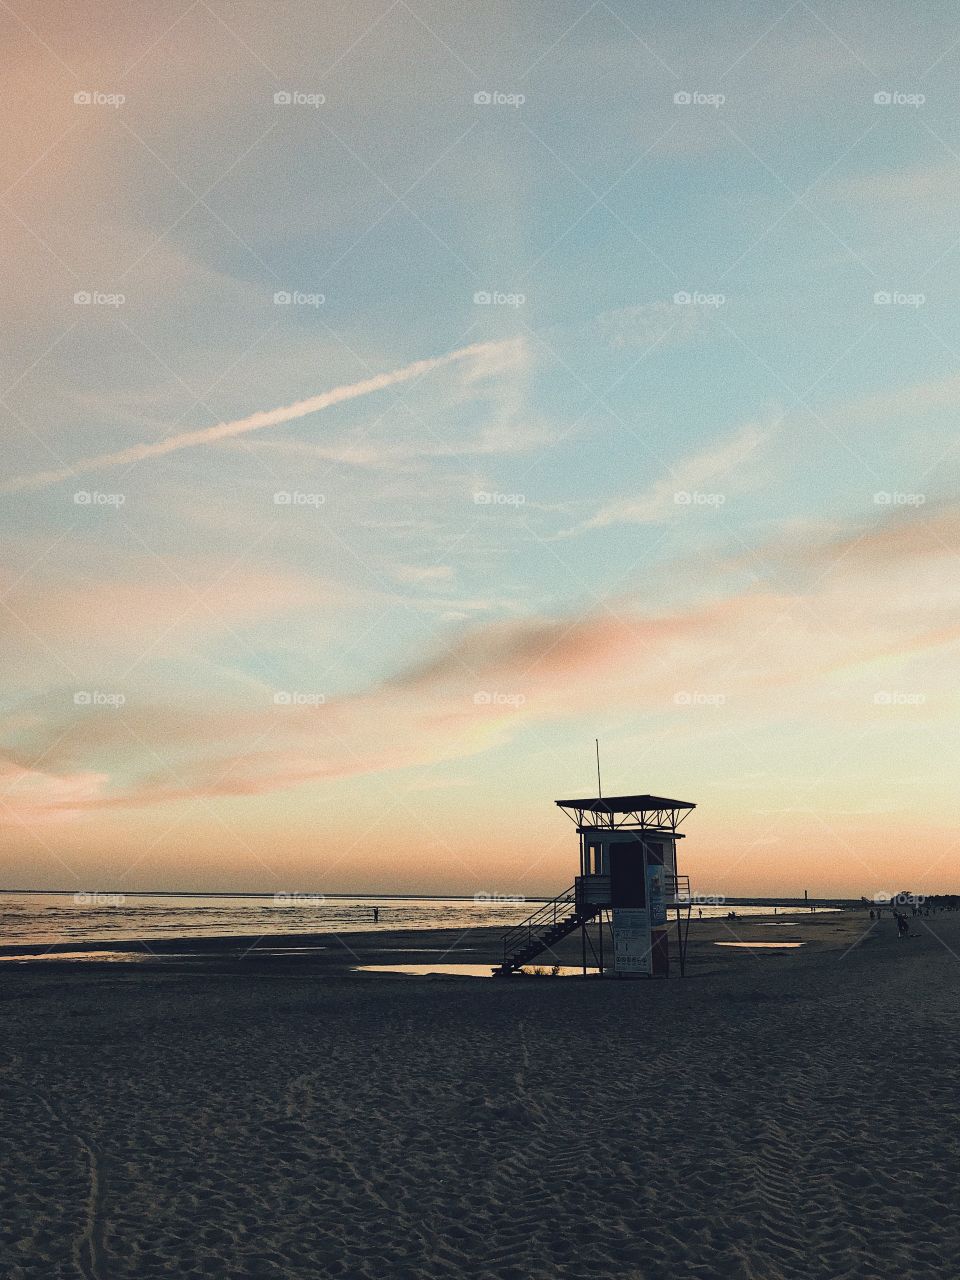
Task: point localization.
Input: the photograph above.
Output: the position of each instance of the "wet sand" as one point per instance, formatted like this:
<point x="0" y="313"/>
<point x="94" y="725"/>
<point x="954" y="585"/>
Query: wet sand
<point x="271" y="1113"/>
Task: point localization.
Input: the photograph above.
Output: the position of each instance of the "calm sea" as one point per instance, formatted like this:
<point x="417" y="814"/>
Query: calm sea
<point x="45" y="918"/>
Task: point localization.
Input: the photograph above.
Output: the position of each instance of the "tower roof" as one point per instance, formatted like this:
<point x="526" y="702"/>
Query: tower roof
<point x="624" y="804"/>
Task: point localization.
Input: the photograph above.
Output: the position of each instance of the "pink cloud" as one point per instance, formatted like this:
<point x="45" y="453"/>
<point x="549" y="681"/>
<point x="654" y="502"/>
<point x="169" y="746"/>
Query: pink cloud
<point x="73" y="624"/>
<point x="29" y="796"/>
<point x="763" y="651"/>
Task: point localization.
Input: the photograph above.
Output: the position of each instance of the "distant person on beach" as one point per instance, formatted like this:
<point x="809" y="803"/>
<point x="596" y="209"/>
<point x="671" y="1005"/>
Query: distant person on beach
<point x="872" y="916"/>
<point x="699" y="913"/>
<point x="376" y="915"/>
<point x="903" y="926"/>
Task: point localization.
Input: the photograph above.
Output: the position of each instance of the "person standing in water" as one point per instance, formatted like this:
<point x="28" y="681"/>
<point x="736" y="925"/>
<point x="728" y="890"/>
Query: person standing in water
<point x="376" y="915"/>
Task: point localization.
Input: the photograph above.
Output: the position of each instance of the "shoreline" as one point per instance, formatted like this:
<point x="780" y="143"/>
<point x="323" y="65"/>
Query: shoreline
<point x="183" y="941"/>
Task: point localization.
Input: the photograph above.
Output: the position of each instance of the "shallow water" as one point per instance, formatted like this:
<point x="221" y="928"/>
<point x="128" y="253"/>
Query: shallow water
<point x="440" y="970"/>
<point x="754" y="946"/>
<point x="71" y="918"/>
<point x="73" y="956"/>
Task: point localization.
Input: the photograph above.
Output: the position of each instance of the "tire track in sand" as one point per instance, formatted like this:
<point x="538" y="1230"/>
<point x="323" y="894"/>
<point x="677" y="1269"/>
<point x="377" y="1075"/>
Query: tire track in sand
<point x="87" y="1247"/>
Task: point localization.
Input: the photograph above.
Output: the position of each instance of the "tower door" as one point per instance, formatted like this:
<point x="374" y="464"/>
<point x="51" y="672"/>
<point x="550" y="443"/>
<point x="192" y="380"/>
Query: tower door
<point x="628" y="878"/>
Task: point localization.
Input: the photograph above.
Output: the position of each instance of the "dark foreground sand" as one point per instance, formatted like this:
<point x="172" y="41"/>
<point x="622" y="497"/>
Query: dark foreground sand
<point x="789" y="1114"/>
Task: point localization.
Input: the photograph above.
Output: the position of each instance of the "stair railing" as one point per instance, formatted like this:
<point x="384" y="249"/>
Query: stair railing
<point x="535" y="925"/>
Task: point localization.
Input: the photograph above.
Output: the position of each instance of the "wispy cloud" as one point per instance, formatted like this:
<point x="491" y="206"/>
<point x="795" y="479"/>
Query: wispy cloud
<point x="258" y="421"/>
<point x="388" y="455"/>
<point x="648" y="324"/>
<point x="415" y="573"/>
<point x="684" y="478"/>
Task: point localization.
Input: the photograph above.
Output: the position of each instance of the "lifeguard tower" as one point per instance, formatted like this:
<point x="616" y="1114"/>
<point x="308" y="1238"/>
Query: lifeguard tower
<point x="628" y="879"/>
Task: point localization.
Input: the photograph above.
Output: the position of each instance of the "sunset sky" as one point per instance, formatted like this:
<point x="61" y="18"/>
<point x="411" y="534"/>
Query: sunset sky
<point x="577" y="370"/>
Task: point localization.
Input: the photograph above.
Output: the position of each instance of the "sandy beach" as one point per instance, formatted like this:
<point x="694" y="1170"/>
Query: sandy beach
<point x="777" y="1114"/>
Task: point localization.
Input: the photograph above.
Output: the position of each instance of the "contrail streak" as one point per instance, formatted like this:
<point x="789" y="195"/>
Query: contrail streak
<point x="255" y="422"/>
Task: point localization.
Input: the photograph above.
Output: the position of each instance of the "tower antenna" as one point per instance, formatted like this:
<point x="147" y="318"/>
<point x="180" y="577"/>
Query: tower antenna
<point x="599" y="788"/>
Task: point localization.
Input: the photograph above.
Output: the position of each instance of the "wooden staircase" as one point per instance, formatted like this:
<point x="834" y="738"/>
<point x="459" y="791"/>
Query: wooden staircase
<point x="550" y="923"/>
